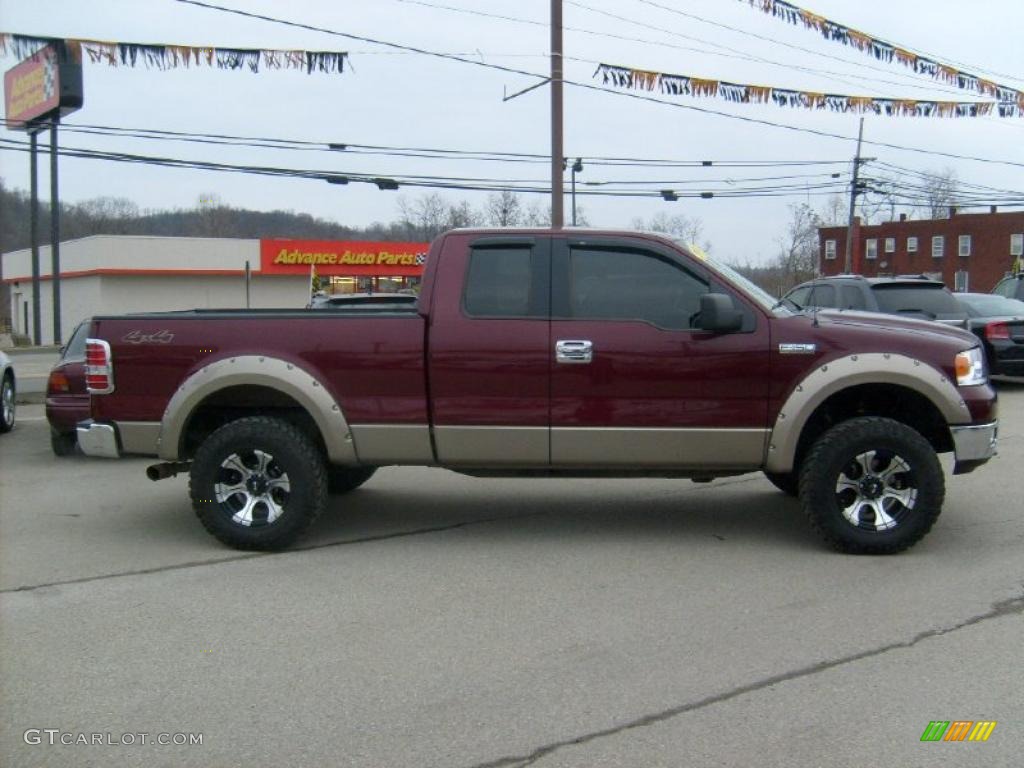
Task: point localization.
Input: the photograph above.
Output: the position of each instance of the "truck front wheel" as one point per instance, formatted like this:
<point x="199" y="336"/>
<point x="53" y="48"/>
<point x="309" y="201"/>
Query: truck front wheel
<point x="258" y="483"/>
<point x="872" y="485"/>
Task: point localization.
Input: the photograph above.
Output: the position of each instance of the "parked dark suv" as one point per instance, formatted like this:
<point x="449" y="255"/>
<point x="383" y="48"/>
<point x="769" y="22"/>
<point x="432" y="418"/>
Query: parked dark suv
<point x="1011" y="287"/>
<point x="910" y="296"/>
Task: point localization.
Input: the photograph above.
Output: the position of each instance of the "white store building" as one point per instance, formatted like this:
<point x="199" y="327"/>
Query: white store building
<point x="115" y="274"/>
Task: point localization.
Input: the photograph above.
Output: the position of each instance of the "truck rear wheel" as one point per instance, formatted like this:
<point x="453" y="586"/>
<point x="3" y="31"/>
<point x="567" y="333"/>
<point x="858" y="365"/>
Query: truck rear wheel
<point x="258" y="483"/>
<point x="872" y="485"/>
<point x="344" y="479"/>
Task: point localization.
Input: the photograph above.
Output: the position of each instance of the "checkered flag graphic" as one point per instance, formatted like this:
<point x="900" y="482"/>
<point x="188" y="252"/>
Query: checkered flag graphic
<point x="421" y="259"/>
<point x="50" y="77"/>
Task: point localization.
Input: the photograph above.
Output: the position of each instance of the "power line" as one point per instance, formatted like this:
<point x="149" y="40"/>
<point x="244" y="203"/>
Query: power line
<point x="448" y="183"/>
<point x="589" y="86"/>
<point x="419" y="152"/>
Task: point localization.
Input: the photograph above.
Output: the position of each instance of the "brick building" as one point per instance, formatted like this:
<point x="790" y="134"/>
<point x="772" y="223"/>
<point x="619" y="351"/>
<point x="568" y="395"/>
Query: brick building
<point x="968" y="252"/>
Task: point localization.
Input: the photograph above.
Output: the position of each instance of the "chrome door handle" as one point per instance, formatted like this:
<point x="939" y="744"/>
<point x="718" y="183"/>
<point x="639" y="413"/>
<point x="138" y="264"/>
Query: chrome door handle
<point x="574" y="351"/>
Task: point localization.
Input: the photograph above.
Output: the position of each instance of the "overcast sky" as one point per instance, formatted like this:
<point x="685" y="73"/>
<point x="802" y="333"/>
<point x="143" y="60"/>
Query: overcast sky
<point x="410" y="100"/>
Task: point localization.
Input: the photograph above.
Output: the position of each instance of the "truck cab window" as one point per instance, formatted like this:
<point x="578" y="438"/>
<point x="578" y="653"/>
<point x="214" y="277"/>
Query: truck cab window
<point x="498" y="282"/>
<point x="613" y="284"/>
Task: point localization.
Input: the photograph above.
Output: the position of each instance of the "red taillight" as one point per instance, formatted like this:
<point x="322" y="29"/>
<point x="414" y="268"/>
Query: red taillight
<point x="997" y="331"/>
<point x="99" y="376"/>
<point x="58" y="383"/>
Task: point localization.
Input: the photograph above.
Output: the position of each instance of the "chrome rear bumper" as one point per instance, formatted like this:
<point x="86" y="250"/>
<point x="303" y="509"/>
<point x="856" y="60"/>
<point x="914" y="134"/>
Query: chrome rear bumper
<point x="97" y="440"/>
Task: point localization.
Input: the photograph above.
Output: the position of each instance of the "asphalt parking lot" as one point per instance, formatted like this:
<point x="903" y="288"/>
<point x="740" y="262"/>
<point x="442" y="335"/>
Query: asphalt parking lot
<point x="437" y="620"/>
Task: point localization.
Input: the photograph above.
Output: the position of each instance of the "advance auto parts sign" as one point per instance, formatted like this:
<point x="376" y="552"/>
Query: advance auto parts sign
<point x="342" y="258"/>
<point x="47" y="83"/>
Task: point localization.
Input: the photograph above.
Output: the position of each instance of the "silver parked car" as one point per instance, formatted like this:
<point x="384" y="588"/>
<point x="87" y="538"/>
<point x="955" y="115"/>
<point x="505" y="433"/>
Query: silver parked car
<point x="7" y="390"/>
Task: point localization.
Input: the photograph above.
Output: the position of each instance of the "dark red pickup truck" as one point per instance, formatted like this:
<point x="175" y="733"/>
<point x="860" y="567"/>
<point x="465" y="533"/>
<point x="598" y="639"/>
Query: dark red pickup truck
<point x="547" y="353"/>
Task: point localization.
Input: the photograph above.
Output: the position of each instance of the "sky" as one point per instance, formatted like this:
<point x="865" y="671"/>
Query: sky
<point x="391" y="98"/>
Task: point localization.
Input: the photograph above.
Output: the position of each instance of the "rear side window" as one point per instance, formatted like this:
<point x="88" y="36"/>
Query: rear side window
<point x="852" y="298"/>
<point x="75" y="349"/>
<point x="934" y="300"/>
<point x="498" y="282"/>
<point x="620" y="284"/>
<point x="822" y="296"/>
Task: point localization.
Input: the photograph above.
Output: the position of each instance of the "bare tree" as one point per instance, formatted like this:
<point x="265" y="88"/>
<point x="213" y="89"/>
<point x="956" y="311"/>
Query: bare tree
<point x="539" y="215"/>
<point x="835" y="212"/>
<point x="797" y="260"/>
<point x="216" y="219"/>
<point x="503" y="209"/>
<point x="941" y="192"/>
<point x="424" y="217"/>
<point x="680" y="226"/>
<point x="461" y="215"/>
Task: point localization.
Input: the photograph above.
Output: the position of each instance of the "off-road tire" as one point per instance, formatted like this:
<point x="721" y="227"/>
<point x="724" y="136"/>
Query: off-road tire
<point x="787" y="482"/>
<point x="288" y="452"/>
<point x="344" y="479"/>
<point x="834" y="461"/>
<point x="63" y="444"/>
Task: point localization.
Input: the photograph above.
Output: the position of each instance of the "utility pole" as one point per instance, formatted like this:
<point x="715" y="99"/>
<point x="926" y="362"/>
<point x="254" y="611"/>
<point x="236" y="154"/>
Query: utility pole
<point x="55" y="233"/>
<point x="557" y="159"/>
<point x="33" y="225"/>
<point x="576" y="168"/>
<point x="854" y="191"/>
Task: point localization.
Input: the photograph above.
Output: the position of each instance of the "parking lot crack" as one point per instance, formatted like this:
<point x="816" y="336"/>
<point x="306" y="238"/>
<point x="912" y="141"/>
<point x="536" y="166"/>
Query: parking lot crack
<point x="1000" y="609"/>
<point x="254" y="555"/>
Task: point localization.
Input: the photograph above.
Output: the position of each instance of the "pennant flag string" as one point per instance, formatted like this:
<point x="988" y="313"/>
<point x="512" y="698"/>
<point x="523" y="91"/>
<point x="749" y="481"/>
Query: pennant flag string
<point x="164" y="57"/>
<point x="1011" y="99"/>
<point x="686" y="85"/>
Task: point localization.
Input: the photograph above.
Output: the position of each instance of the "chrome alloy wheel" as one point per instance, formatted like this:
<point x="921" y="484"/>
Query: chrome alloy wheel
<point x="876" y="490"/>
<point x="252" y="488"/>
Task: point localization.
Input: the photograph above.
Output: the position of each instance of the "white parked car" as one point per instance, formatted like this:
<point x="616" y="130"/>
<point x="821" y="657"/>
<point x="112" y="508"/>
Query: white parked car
<point x="6" y="393"/>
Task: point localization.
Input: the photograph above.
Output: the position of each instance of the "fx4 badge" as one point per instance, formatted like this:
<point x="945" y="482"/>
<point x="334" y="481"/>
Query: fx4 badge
<point x="157" y="337"/>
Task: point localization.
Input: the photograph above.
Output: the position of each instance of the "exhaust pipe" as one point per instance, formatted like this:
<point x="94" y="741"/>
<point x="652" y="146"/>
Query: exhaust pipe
<point x="166" y="469"/>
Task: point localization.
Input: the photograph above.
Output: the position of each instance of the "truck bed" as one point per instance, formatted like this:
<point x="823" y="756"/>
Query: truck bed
<point x="371" y="361"/>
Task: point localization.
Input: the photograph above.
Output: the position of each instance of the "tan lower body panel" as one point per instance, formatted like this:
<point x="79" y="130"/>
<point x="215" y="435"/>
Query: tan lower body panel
<point x="139" y="437"/>
<point x="492" y="446"/>
<point x="392" y="443"/>
<point x="635" y="448"/>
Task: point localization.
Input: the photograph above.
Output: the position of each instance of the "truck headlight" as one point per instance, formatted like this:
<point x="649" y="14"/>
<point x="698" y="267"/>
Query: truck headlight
<point x="970" y="367"/>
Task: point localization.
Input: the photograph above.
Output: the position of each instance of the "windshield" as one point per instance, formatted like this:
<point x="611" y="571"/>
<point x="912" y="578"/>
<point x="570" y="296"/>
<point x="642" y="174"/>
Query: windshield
<point x="752" y="289"/>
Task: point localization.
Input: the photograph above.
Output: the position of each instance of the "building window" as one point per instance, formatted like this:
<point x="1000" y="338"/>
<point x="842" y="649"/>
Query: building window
<point x="961" y="281"/>
<point x="964" y="245"/>
<point x="1017" y="245"/>
<point x="830" y="249"/>
<point x="938" y="246"/>
<point x="911" y="245"/>
<point x="871" y="249"/>
<point x="890" y="245"/>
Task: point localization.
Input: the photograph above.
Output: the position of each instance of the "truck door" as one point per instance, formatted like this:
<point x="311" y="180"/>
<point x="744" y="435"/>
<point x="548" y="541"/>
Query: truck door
<point x="488" y="351"/>
<point x="634" y="384"/>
